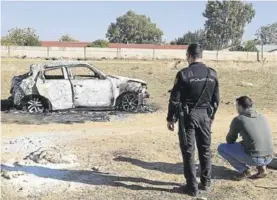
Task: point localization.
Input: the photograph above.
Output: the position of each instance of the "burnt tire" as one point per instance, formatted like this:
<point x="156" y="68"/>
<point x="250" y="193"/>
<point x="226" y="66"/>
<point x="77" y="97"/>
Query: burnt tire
<point x="35" y="104"/>
<point x="129" y="102"/>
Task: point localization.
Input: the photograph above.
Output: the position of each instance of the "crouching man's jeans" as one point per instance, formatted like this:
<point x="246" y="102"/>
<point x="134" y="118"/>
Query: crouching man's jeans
<point x="235" y="155"/>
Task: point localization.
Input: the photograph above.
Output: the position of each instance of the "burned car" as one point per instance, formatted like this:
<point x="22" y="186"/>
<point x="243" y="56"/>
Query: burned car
<point x="75" y="85"/>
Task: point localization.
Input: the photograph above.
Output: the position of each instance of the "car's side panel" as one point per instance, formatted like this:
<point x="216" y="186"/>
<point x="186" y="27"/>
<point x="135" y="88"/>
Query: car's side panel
<point x="58" y="92"/>
<point x="92" y="93"/>
<point x="90" y="89"/>
<point x="116" y="91"/>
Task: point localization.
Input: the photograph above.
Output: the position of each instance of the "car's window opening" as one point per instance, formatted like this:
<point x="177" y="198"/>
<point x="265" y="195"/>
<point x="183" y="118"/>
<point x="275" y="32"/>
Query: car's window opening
<point x="54" y="74"/>
<point x="81" y="72"/>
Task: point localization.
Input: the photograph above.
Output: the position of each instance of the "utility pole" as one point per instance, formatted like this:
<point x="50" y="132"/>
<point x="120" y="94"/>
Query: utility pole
<point x="262" y="46"/>
<point x="262" y="37"/>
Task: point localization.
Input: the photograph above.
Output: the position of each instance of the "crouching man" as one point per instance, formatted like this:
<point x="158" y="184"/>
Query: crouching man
<point x="256" y="147"/>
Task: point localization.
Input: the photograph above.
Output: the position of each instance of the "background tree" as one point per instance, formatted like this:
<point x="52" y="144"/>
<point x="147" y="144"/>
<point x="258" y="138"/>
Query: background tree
<point x="134" y="28"/>
<point x="21" y="37"/>
<point x="225" y="22"/>
<point x="268" y="34"/>
<point x="6" y="42"/>
<point x="191" y="37"/>
<point x="249" y="46"/>
<point x="67" y="38"/>
<point x="99" y="43"/>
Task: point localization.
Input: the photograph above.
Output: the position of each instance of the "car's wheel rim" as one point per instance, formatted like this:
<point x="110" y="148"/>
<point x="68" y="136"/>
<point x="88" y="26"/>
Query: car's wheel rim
<point x="130" y="102"/>
<point x="35" y="106"/>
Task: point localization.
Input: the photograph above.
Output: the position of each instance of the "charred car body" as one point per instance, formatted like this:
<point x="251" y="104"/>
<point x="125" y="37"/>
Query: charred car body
<point x="75" y="85"/>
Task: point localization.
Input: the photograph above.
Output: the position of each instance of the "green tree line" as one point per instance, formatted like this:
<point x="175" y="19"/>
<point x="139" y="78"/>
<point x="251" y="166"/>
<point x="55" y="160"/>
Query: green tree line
<point x="223" y="28"/>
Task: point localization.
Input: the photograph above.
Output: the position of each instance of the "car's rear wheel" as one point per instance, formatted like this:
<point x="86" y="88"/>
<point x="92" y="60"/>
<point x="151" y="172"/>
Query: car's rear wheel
<point x="130" y="102"/>
<point x="35" y="104"/>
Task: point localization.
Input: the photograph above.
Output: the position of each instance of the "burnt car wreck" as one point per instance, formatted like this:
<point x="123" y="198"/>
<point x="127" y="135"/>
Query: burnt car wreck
<point x="75" y="85"/>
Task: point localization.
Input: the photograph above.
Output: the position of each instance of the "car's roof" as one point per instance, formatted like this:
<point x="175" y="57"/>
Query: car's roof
<point x="56" y="64"/>
<point x="65" y="63"/>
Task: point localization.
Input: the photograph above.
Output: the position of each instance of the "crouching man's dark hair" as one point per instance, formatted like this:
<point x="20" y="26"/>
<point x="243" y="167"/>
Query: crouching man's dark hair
<point x="245" y="102"/>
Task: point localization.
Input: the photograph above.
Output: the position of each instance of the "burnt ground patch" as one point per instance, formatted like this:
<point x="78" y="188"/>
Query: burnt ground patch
<point x="6" y="104"/>
<point x="68" y="117"/>
<point x="11" y="115"/>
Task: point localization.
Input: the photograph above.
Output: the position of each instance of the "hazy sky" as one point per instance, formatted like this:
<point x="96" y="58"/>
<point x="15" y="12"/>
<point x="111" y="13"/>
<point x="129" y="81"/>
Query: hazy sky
<point x="88" y="21"/>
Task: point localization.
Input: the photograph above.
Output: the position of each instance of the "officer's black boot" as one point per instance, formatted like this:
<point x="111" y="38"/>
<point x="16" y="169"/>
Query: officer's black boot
<point x="187" y="190"/>
<point x="204" y="186"/>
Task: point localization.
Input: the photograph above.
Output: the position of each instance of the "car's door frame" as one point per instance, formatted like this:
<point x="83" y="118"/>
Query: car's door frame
<point x="101" y="77"/>
<point x="43" y="90"/>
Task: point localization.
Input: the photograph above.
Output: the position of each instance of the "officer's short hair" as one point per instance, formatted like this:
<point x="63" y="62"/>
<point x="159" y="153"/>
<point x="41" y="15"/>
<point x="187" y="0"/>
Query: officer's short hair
<point x="245" y="102"/>
<point x="195" y="50"/>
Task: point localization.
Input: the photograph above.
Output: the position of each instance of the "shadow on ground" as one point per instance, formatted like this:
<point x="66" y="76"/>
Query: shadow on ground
<point x="218" y="172"/>
<point x="107" y="179"/>
<point x="273" y="164"/>
<point x="90" y="177"/>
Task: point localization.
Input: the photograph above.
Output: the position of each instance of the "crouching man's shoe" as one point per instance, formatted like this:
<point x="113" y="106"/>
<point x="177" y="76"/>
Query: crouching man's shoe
<point x="187" y="190"/>
<point x="262" y="173"/>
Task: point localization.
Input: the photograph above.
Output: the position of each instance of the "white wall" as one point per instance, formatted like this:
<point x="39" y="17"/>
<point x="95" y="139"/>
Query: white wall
<point x="99" y="53"/>
<point x="28" y="51"/>
<point x="4" y="51"/>
<point x="136" y="53"/>
<point x="112" y="53"/>
<point x="170" y="54"/>
<point x="210" y="55"/>
<point x="67" y="52"/>
<point x="271" y="56"/>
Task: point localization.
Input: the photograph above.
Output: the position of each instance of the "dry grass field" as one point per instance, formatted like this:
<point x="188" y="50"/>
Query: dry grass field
<point x="136" y="158"/>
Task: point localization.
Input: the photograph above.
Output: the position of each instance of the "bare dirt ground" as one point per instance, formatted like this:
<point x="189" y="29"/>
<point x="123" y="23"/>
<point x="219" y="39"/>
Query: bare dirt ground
<point x="134" y="158"/>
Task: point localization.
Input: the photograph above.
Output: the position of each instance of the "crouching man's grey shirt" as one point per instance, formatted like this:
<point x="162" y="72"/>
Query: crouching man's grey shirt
<point x="255" y="132"/>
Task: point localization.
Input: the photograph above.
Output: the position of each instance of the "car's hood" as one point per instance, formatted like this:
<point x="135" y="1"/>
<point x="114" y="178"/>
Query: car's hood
<point x="122" y="78"/>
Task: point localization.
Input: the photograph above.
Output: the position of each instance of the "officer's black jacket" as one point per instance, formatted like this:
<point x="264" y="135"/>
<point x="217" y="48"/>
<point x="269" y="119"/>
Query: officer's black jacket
<point x="188" y="86"/>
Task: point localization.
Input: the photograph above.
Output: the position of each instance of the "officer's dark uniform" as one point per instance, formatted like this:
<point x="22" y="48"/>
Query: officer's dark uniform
<point x="187" y="89"/>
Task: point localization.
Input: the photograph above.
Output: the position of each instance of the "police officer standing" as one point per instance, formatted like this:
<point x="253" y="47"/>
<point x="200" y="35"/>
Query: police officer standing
<point x="194" y="100"/>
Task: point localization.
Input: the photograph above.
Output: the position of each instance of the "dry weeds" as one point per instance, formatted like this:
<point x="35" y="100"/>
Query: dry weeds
<point x="138" y="158"/>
